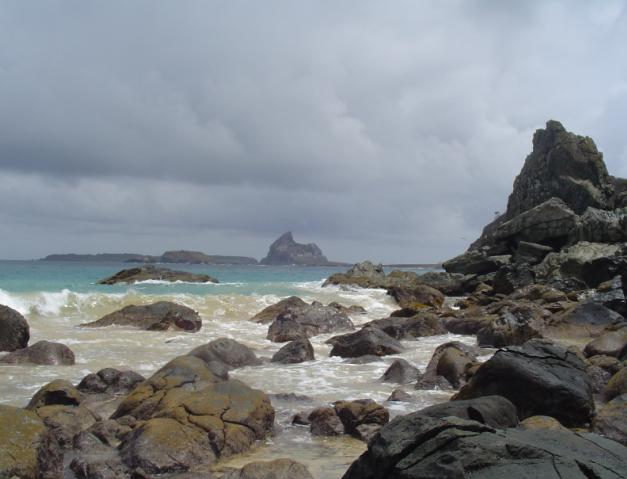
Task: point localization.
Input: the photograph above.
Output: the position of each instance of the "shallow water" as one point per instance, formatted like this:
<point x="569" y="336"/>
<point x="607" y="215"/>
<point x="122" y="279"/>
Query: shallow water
<point x="62" y="297"/>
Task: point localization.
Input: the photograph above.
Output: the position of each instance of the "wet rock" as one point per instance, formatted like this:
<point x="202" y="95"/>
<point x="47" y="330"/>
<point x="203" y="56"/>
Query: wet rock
<point x="109" y="380"/>
<point x="515" y="324"/>
<point x="494" y="411"/>
<point x="324" y="421"/>
<point x="608" y="363"/>
<point x="66" y="422"/>
<point x="102" y="465"/>
<point x="451" y="284"/>
<point x="531" y="253"/>
<point x="163" y="445"/>
<point x="451" y="361"/>
<point x="417" y="446"/>
<point x="287" y="305"/>
<point x="224" y="354"/>
<point x="191" y="418"/>
<point x="540" y="378"/>
<point x="301" y="419"/>
<point x="612" y="343"/>
<point x="57" y="392"/>
<point x="294" y="352"/>
<point x="308" y="322"/>
<point x="611" y="420"/>
<point x="42" y="352"/>
<point x="399" y="395"/>
<point x="430" y="383"/>
<point x="611" y="294"/>
<point x="542" y="422"/>
<point x="365" y="341"/>
<point x="539" y="293"/>
<point x="409" y="324"/>
<point x="286" y="251"/>
<point x="277" y="469"/>
<point x="352" y="309"/>
<point x="599" y="378"/>
<point x="365" y="275"/>
<point x="511" y="277"/>
<point x="417" y="296"/>
<point x="27" y="448"/>
<point x="616" y="386"/>
<point x="14" y="330"/>
<point x="401" y="372"/>
<point x="109" y="432"/>
<point x="475" y="262"/>
<point x="361" y="412"/>
<point x="468" y="321"/>
<point x="584" y="320"/>
<point x="160" y="316"/>
<point x="146" y="273"/>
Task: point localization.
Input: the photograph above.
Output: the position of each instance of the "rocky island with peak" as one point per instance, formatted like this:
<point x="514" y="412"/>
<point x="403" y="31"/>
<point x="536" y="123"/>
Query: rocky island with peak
<point x="286" y="251"/>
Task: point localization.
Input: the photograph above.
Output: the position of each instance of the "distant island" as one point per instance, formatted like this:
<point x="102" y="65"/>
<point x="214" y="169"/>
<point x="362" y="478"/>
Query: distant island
<point x="180" y="257"/>
<point x="286" y="251"/>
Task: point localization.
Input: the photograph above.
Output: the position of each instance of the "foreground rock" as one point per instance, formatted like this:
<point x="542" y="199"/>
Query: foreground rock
<point x="303" y="323"/>
<point x="286" y="251"/>
<point x="611" y="420"/>
<point x="540" y="378"/>
<point x="14" y="330"/>
<point x="401" y="372"/>
<point x="368" y="340"/>
<point x="111" y="381"/>
<point x="613" y="343"/>
<point x="287" y="305"/>
<point x="160" y="316"/>
<point x="297" y="351"/>
<point x="27" y="449"/>
<point x="361" y="418"/>
<point x="417" y="446"/>
<point x="409" y="324"/>
<point x="277" y="469"/>
<point x="153" y="273"/>
<point x="191" y="418"/>
<point x="449" y="366"/>
<point x="494" y="411"/>
<point x="42" y="352"/>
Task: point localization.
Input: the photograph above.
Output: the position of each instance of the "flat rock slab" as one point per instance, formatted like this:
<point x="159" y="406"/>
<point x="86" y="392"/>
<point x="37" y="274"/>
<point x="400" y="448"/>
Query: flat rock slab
<point x="152" y="273"/>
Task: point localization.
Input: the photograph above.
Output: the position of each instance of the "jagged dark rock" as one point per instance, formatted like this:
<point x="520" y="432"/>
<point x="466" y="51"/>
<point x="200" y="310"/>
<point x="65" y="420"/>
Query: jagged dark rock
<point x="159" y="316"/>
<point x="145" y="273"/>
<point x="14" y="330"/>
<point x="365" y="341"/>
<point x="308" y="322"/>
<point x="401" y="372"/>
<point x="297" y="351"/>
<point x="286" y="251"/>
<point x="287" y="305"/>
<point x="494" y="411"/>
<point x="409" y="325"/>
<point x="109" y="380"/>
<point x="450" y="361"/>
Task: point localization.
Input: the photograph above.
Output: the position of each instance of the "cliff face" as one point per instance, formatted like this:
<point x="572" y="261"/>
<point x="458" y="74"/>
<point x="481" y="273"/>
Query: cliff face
<point x="286" y="251"/>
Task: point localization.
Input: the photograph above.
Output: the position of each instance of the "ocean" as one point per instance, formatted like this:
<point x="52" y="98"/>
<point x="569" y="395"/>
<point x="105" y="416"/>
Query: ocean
<point x="56" y="297"/>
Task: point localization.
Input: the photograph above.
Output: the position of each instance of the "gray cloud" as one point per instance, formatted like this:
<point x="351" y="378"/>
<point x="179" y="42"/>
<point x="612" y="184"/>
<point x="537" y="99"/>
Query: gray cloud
<point x="390" y="131"/>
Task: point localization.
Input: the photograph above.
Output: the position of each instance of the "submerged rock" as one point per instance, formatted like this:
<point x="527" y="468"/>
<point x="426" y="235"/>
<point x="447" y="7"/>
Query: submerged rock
<point x="540" y="378"/>
<point x="401" y="372"/>
<point x="308" y="322"/>
<point x="297" y="351"/>
<point x="409" y="324"/>
<point x="287" y="305"/>
<point x="159" y="316"/>
<point x="42" y="352"/>
<point x="286" y="251"/>
<point x="365" y="341"/>
<point x="365" y="275"/>
<point x="224" y="354"/>
<point x="109" y="380"/>
<point x="14" y="330"/>
<point x="146" y="273"/>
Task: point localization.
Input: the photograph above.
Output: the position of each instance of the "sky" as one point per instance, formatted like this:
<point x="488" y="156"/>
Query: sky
<point x="389" y="131"/>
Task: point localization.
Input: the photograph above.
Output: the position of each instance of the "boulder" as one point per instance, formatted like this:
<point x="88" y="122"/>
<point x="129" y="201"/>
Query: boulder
<point x="600" y="226"/>
<point x="308" y="322"/>
<point x="287" y="305"/>
<point x="538" y="293"/>
<point x="401" y="372"/>
<point x="467" y="321"/>
<point x="515" y="324"/>
<point x="276" y="469"/>
<point x="450" y="361"/>
<point x="224" y="354"/>
<point x="584" y="320"/>
<point x="352" y="309"/>
<point x="324" y="421"/>
<point x="28" y="450"/>
<point x="416" y="296"/>
<point x="531" y="253"/>
<point x="399" y="395"/>
<point x="608" y="363"/>
<point x="57" y="392"/>
<point x="109" y="380"/>
<point x="409" y="324"/>
<point x="451" y="284"/>
<point x="66" y="422"/>
<point x="616" y="386"/>
<point x="512" y="277"/>
<point x="416" y="446"/>
<point x="365" y="341"/>
<point x="611" y="420"/>
<point x="475" y="262"/>
<point x="153" y="273"/>
<point x="159" y="316"/>
<point x="549" y="223"/>
<point x="361" y="418"/>
<point x="286" y="251"/>
<point x="42" y="352"/>
<point x="542" y="422"/>
<point x="612" y="343"/>
<point x="494" y="411"/>
<point x="611" y="294"/>
<point x="540" y="378"/>
<point x="14" y="330"/>
<point x="297" y="351"/>
<point x="365" y="275"/>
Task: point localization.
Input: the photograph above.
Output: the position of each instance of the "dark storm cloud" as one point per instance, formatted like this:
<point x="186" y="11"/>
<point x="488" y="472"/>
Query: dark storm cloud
<point x="384" y="130"/>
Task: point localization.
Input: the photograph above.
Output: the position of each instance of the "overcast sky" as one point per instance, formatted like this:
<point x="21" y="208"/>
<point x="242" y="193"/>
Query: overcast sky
<point x="384" y="130"/>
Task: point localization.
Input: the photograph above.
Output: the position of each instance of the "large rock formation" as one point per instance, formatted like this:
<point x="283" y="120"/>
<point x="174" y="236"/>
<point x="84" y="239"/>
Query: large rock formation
<point x="286" y="251"/>
<point x="146" y="273"/>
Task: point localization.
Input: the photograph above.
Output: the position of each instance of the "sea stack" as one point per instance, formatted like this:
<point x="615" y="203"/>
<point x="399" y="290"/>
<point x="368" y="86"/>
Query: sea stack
<point x="285" y="251"/>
